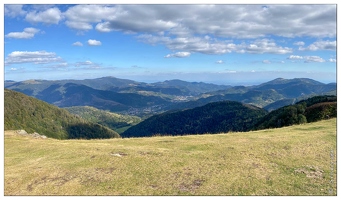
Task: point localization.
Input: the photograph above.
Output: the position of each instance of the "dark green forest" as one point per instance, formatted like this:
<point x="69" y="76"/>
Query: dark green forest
<point x="218" y="117"/>
<point x="305" y="111"/>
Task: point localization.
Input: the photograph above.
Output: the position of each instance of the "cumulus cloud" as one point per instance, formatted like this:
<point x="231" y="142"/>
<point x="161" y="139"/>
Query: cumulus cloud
<point x="266" y="46"/>
<point x="300" y="43"/>
<point x="77" y="44"/>
<point x="332" y="60"/>
<point x="14" y="10"/>
<point x="94" y="43"/>
<point x="266" y="61"/>
<point x="81" y="26"/>
<point x="49" y="16"/>
<point x="207" y="45"/>
<point x="321" y="45"/>
<point x="28" y="33"/>
<point x="219" y="62"/>
<point x="236" y="21"/>
<point x="314" y="59"/>
<point x="295" y="57"/>
<point x="178" y="55"/>
<point x="307" y="59"/>
<point x="35" y="57"/>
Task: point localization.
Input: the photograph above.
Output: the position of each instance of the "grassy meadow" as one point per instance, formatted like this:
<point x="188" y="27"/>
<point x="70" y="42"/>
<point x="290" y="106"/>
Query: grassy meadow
<point x="296" y="160"/>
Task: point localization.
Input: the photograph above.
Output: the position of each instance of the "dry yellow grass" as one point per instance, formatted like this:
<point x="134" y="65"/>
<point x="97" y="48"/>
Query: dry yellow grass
<point x="297" y="160"/>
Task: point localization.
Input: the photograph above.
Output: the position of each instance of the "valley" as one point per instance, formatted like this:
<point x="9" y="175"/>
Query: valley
<point x="146" y="99"/>
<point x="136" y="109"/>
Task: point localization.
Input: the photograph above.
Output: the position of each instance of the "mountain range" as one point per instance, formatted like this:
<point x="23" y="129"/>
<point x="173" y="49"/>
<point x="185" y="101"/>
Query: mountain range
<point x="33" y="115"/>
<point x="146" y="99"/>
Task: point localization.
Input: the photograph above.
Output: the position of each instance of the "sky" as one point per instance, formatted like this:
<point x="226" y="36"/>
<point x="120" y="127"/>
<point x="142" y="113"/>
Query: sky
<point x="220" y="43"/>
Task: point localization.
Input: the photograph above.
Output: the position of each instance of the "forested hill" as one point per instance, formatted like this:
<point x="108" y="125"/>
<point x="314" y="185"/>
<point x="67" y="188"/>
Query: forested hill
<point x="309" y="110"/>
<point x="215" y="117"/>
<point x="33" y="115"/>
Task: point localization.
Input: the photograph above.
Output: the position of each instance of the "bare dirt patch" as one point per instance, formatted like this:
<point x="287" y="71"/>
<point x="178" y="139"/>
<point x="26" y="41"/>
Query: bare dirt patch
<point x="310" y="171"/>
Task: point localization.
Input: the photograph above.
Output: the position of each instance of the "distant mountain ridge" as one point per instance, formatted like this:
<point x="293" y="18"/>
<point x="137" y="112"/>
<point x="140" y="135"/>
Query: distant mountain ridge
<point x="145" y="99"/>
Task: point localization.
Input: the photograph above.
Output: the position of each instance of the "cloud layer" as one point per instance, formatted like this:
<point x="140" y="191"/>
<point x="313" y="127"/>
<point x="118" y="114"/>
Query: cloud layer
<point x="202" y="28"/>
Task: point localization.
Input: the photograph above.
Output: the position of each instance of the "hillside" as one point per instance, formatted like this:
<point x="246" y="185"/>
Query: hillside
<point x="224" y="116"/>
<point x="292" y="161"/>
<point x="33" y="115"/>
<point x="309" y="110"/>
<point x="114" y="121"/>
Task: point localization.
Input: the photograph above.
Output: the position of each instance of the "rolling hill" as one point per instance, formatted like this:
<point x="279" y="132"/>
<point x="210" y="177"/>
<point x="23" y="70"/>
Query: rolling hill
<point x="224" y="116"/>
<point x="309" y="110"/>
<point x="33" y="115"/>
<point x="114" y="121"/>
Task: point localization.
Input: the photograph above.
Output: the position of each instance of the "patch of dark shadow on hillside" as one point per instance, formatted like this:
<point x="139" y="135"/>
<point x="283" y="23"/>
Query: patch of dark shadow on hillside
<point x="90" y="131"/>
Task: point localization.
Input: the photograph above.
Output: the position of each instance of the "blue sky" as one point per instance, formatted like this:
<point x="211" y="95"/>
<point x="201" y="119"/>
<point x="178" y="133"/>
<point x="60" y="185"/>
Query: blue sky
<point x="224" y="44"/>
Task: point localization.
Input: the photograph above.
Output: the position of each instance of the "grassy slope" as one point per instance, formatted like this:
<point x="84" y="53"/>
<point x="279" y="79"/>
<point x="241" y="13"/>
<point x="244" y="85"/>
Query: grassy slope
<point x="286" y="161"/>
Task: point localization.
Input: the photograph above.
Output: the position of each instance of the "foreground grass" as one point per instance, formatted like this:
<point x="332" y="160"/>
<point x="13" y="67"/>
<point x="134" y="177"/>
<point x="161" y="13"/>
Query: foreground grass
<point x="297" y="160"/>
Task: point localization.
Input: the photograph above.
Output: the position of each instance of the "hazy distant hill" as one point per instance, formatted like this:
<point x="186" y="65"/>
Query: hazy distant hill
<point x="116" y="122"/>
<point x="270" y="95"/>
<point x="292" y="88"/>
<point x="215" y="117"/>
<point x="33" y="115"/>
<point x="145" y="99"/>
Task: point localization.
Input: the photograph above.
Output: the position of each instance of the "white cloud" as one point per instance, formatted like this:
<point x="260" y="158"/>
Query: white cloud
<point x="332" y="60"/>
<point x="77" y="44"/>
<point x="313" y="59"/>
<point x="219" y="62"/>
<point x="94" y="43"/>
<point x="28" y="33"/>
<point x="208" y="45"/>
<point x="84" y="63"/>
<point x="295" y="57"/>
<point x="14" y="10"/>
<point x="178" y="55"/>
<point x="266" y="46"/>
<point x="82" y="26"/>
<point x="307" y="59"/>
<point x="321" y="45"/>
<point x="300" y="43"/>
<point x="266" y="61"/>
<point x="236" y="21"/>
<point x="36" y="57"/>
<point x="49" y="16"/>
<point x="87" y="65"/>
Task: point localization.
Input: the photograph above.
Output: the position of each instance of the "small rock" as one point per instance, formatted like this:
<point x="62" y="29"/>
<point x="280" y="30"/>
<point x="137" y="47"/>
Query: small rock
<point x="21" y="132"/>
